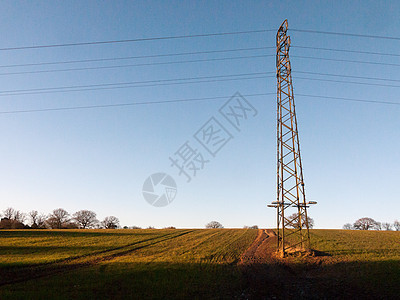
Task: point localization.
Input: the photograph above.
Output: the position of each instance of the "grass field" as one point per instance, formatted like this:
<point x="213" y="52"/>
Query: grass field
<point x="192" y="264"/>
<point x="121" y="263"/>
<point x="365" y="261"/>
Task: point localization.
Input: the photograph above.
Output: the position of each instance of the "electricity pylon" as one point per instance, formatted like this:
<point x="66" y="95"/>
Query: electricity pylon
<point x="292" y="223"/>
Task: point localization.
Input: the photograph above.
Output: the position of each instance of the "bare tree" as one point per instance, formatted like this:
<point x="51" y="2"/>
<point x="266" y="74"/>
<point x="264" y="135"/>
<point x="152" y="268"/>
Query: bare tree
<point x="250" y="227"/>
<point x="9" y="213"/>
<point x="16" y="217"/>
<point x="387" y="226"/>
<point x="33" y="216"/>
<point x="365" y="223"/>
<point x="85" y="218"/>
<point x="347" y="226"/>
<point x="378" y="226"/>
<point x="214" y="225"/>
<point x="19" y="216"/>
<point x="13" y="219"/>
<point x="58" y="218"/>
<point x="37" y="220"/>
<point x="110" y="222"/>
<point x="51" y="222"/>
<point x="295" y="222"/>
<point x="41" y="221"/>
<point x="396" y="225"/>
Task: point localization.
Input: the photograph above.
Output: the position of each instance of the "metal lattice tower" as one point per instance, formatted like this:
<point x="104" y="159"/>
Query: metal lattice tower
<point x="292" y="222"/>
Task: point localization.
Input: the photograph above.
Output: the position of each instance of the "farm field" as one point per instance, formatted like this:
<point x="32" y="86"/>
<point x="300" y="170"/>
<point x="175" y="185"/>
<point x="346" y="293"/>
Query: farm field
<point x="195" y="263"/>
<point x="353" y="263"/>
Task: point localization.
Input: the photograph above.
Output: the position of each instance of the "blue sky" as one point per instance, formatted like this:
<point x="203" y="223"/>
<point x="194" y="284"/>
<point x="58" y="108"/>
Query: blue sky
<point x="98" y="159"/>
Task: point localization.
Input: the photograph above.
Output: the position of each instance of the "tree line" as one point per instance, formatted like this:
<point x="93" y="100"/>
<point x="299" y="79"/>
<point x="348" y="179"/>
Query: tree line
<point x="58" y="219"/>
<point x="370" y="224"/>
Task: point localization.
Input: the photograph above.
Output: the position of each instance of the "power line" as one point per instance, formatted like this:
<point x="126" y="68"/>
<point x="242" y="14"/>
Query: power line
<point x="187" y="80"/>
<point x="191" y="36"/>
<point x="191" y="61"/>
<point x="347" y="76"/>
<point x="350" y="82"/>
<point x="137" y="65"/>
<point x="347" y="60"/>
<point x="349" y="99"/>
<point x="187" y="100"/>
<point x="133" y="57"/>
<point x="348" y="34"/>
<point x="188" y="53"/>
<point x="135" y="84"/>
<point x="346" y="50"/>
<point x="136" y="40"/>
<point x="125" y="104"/>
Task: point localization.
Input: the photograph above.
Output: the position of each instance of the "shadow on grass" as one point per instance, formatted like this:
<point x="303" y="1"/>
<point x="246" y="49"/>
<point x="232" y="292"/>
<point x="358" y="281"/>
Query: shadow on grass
<point x="378" y="251"/>
<point x="156" y="280"/>
<point x="320" y="253"/>
<point x="20" y="273"/>
<point x="317" y="279"/>
<point x="134" y="281"/>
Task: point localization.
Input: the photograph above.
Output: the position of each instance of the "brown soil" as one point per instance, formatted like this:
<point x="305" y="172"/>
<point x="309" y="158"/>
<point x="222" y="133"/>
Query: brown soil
<point x="262" y="250"/>
<point x="259" y="265"/>
<point x="267" y="276"/>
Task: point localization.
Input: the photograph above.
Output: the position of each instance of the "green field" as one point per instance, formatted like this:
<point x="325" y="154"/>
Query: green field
<point x="192" y="264"/>
<point x="356" y="263"/>
<point x="121" y="263"/>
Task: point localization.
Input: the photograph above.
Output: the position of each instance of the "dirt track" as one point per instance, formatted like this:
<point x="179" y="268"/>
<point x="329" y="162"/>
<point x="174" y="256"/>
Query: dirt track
<point x="261" y="269"/>
<point x="267" y="276"/>
<point x="270" y="277"/>
<point x="262" y="249"/>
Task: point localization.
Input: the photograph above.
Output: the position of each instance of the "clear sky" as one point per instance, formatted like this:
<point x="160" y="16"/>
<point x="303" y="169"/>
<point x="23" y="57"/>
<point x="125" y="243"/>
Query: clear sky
<point x="99" y="158"/>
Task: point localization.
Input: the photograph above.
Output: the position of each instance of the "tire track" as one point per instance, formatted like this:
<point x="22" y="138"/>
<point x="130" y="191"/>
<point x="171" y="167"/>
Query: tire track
<point x="38" y="271"/>
<point x="261" y="250"/>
